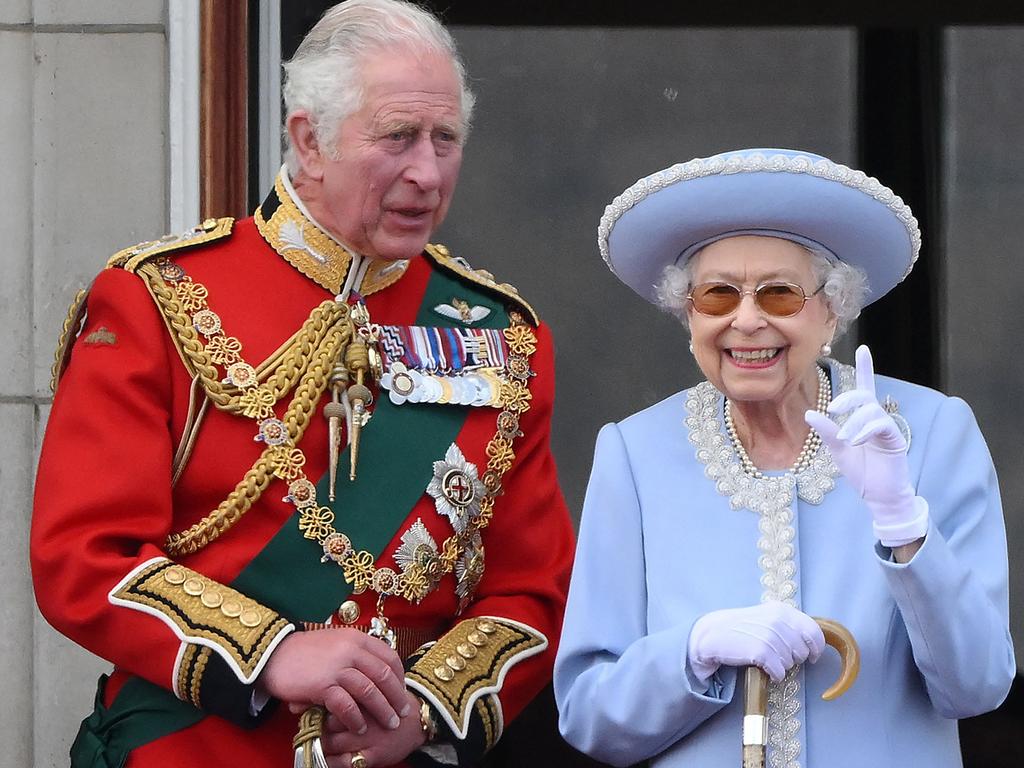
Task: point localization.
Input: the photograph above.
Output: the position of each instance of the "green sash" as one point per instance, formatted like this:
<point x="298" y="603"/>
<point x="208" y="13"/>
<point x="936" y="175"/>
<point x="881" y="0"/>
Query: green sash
<point x="141" y="713"/>
<point x="396" y="455"/>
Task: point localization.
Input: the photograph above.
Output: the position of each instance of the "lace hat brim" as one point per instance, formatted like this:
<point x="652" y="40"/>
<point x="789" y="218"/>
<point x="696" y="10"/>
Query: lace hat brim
<point x="666" y="217"/>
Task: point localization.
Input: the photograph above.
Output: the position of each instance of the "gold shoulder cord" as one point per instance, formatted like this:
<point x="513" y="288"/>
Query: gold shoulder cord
<point x="305" y="365"/>
<point x="69" y="332"/>
<point x="129" y="259"/>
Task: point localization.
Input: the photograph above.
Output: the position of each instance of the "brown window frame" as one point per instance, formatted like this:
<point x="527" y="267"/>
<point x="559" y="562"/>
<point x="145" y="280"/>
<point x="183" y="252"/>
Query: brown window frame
<point x="223" y="108"/>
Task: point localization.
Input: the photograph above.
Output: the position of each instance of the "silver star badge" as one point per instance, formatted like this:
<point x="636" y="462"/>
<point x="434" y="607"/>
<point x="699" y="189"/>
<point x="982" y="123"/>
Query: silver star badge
<point x="456" y="488"/>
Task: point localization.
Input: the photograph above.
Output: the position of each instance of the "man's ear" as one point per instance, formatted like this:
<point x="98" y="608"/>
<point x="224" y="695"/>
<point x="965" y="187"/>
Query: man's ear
<point x="305" y="144"/>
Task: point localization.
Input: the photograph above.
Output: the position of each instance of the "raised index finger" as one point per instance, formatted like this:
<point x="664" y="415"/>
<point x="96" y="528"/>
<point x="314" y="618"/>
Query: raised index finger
<point x="865" y="369"/>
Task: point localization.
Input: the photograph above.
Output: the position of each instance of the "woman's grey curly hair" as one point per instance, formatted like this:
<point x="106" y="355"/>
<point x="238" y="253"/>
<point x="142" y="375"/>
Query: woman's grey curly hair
<point x="845" y="287"/>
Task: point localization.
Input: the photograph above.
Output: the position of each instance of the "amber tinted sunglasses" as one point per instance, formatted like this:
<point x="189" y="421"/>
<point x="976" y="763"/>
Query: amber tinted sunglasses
<point x="775" y="299"/>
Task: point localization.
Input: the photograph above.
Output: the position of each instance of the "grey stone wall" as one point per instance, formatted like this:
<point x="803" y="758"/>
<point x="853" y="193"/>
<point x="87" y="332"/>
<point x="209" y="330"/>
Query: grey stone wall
<point x="82" y="135"/>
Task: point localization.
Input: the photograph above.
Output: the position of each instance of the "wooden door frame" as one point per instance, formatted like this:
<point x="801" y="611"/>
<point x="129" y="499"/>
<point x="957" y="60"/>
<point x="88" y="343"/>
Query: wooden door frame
<point x="223" y="108"/>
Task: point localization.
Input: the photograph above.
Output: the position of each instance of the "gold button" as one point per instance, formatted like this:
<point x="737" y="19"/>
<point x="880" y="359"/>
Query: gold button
<point x="212" y="598"/>
<point x="193" y="587"/>
<point x="477" y="639"/>
<point x="231" y="608"/>
<point x="487" y="626"/>
<point x="348" y="612"/>
<point x="444" y="674"/>
<point x="174" y="576"/>
<point x="456" y="662"/>
<point x="466" y="651"/>
<point x="250" y="618"/>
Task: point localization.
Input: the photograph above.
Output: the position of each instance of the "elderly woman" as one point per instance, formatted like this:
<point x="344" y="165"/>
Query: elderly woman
<point x="786" y="486"/>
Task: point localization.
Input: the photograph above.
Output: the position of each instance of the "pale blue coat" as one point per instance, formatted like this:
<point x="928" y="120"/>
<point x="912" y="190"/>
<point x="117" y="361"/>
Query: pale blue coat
<point x="659" y="546"/>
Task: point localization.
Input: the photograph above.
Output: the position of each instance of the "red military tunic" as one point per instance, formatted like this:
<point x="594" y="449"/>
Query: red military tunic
<point x="131" y="458"/>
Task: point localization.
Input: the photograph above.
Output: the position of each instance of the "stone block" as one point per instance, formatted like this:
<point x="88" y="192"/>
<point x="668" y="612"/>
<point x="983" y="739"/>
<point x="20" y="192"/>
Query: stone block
<point x="16" y="609"/>
<point x="101" y="173"/>
<point x="100" y="11"/>
<point x="16" y="375"/>
<point x="15" y="11"/>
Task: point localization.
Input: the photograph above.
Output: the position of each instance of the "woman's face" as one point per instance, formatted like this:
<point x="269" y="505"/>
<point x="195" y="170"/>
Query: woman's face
<point x="748" y="354"/>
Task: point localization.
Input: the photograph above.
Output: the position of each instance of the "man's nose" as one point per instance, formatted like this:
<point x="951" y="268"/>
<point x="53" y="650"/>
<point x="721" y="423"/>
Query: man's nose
<point x="423" y="169"/>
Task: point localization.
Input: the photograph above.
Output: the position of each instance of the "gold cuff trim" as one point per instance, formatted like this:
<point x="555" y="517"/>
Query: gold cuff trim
<point x="470" y="662"/>
<point x="189" y="678"/>
<point x="206" y="613"/>
<point x="442" y="256"/>
<point x="488" y="709"/>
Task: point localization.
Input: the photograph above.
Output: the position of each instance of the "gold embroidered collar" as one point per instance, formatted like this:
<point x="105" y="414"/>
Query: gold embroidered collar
<point x="317" y="255"/>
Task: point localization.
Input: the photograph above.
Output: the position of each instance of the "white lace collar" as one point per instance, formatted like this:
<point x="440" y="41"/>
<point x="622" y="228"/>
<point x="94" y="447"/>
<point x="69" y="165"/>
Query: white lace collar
<point x="714" y="449"/>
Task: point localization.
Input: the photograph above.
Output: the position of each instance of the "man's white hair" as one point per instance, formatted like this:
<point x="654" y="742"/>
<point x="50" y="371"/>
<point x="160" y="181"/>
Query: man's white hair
<point x="324" y="79"/>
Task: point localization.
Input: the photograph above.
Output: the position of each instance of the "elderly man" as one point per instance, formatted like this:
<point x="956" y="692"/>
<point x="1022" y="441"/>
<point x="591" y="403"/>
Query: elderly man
<point x="299" y="463"/>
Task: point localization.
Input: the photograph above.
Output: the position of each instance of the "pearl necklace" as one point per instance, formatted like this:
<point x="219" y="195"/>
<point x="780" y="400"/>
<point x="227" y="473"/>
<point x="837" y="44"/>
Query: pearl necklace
<point x="811" y="444"/>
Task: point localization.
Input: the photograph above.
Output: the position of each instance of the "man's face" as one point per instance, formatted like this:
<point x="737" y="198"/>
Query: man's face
<point x="397" y="158"/>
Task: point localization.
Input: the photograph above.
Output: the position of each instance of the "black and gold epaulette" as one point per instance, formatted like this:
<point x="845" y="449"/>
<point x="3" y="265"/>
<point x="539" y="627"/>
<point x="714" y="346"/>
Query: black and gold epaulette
<point x="441" y="256"/>
<point x="132" y="258"/>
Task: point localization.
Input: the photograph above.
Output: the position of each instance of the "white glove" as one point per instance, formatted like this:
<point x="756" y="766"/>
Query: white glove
<point x="773" y="636"/>
<point x="871" y="452"/>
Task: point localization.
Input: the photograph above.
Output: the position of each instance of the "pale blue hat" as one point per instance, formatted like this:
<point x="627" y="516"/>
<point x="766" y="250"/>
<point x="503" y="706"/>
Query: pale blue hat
<point x="666" y="217"/>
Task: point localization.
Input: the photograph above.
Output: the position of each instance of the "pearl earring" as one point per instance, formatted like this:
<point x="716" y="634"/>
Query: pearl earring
<point x="690" y="345"/>
<point x="826" y="349"/>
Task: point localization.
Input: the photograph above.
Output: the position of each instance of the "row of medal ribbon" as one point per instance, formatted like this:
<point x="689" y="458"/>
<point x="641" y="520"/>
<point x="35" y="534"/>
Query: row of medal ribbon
<point x="481" y="387"/>
<point x="460" y="366"/>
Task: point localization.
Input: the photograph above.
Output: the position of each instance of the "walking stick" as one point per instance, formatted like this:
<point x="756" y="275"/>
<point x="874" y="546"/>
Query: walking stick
<point x="755" y="696"/>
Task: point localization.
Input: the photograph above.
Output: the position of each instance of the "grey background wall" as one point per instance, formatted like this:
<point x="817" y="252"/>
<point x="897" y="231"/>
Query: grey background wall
<point x="82" y="138"/>
<point x="567" y="118"/>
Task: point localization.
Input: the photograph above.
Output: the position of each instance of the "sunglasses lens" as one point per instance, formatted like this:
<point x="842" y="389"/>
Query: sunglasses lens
<point x="719" y="299"/>
<point x="715" y="299"/>
<point x="780" y="299"/>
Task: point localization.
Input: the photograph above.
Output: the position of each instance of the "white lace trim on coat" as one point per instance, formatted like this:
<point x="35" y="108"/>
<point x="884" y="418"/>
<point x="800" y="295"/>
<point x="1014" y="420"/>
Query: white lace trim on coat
<point x="771" y="498"/>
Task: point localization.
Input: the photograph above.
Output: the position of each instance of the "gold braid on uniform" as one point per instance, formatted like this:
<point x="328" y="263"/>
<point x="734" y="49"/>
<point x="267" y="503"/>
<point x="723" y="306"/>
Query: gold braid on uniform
<point x="68" y="333"/>
<point x="327" y="336"/>
<point x="306" y="360"/>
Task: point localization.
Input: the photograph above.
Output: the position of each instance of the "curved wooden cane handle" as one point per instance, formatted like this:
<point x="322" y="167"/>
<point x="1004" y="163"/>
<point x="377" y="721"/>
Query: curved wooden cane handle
<point x="755" y="697"/>
<point x="839" y="637"/>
